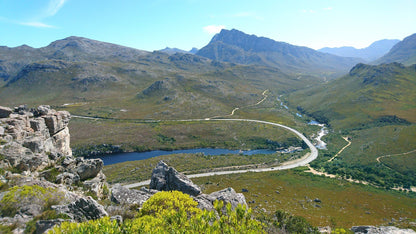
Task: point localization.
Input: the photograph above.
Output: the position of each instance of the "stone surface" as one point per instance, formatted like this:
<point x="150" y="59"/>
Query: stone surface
<point x="82" y="209"/>
<point x="165" y="178"/>
<point x="5" y="112"/>
<point x="43" y="226"/>
<point x="381" y="230"/>
<point x="98" y="186"/>
<point x="124" y="196"/>
<point x="67" y="178"/>
<point x="38" y="125"/>
<point x="61" y="141"/>
<point x="57" y="121"/>
<point x="229" y="195"/>
<point x="89" y="168"/>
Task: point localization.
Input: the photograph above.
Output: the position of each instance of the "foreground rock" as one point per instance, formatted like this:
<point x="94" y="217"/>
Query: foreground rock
<point x="124" y="196"/>
<point x="38" y="167"/>
<point x="165" y="178"/>
<point x="82" y="209"/>
<point x="381" y="230"/>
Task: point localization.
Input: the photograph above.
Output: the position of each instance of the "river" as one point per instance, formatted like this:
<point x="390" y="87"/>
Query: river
<point x="319" y="143"/>
<point x="124" y="157"/>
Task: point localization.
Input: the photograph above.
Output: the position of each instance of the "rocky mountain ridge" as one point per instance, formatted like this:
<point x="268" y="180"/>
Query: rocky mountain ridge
<point x="237" y="47"/>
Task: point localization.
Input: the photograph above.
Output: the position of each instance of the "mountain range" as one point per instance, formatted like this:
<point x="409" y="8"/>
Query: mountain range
<point x="110" y="77"/>
<point x="237" y="47"/>
<point x="370" y="53"/>
<point x="77" y="69"/>
<point x="403" y="52"/>
<point x="169" y="50"/>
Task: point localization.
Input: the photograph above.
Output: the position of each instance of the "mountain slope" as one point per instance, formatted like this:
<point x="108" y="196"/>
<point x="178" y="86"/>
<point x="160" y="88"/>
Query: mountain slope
<point x="12" y="60"/>
<point x="102" y="78"/>
<point x="171" y="51"/>
<point x="370" y="53"/>
<point x="238" y="47"/>
<point x="367" y="95"/>
<point x="403" y="52"/>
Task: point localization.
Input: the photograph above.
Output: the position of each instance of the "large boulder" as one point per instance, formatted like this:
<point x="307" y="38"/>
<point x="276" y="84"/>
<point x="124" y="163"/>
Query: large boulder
<point x="5" y="112"/>
<point x="165" y="178"/>
<point x="89" y="168"/>
<point x="97" y="186"/>
<point x="229" y="195"/>
<point x="124" y="196"/>
<point x="82" y="209"/>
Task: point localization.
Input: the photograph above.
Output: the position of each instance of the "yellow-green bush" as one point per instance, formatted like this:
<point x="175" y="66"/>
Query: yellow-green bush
<point x="20" y="196"/>
<point x="173" y="212"/>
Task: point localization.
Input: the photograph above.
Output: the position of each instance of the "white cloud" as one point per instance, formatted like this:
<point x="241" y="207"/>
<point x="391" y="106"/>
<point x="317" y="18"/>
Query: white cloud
<point x="328" y="8"/>
<point x="53" y="7"/>
<point x="213" y="29"/>
<point x="37" y="24"/>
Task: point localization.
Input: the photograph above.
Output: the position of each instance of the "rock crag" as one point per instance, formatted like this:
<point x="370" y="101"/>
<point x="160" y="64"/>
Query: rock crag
<point x="36" y="159"/>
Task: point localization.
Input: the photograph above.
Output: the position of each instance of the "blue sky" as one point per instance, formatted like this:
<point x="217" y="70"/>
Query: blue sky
<point x="154" y="24"/>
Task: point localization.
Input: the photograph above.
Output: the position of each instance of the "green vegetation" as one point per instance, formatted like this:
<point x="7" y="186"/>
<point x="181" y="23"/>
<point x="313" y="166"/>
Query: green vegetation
<point x="46" y="215"/>
<point x="360" y="160"/>
<point x="192" y="163"/>
<point x="292" y="224"/>
<point x="342" y="204"/>
<point x="172" y="212"/>
<point x="105" y="136"/>
<point x="368" y="96"/>
<point x="18" y="196"/>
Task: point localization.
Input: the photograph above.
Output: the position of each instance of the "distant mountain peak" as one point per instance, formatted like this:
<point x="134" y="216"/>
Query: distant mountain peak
<point x="370" y="53"/>
<point x="238" y="47"/>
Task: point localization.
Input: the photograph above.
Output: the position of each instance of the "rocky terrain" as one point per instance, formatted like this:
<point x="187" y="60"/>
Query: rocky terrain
<point x="40" y="175"/>
<point x="42" y="184"/>
<point x="238" y="47"/>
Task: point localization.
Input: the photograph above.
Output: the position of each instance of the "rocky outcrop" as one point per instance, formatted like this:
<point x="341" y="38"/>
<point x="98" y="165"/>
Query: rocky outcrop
<point x="33" y="139"/>
<point x="124" y="196"/>
<point x="5" y="112"/>
<point x="82" y="209"/>
<point x="89" y="168"/>
<point x="381" y="230"/>
<point x="165" y="178"/>
<point x="35" y="145"/>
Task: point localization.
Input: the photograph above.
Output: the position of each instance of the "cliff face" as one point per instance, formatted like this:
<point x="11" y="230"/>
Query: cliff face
<point x="33" y="139"/>
<point x="38" y="173"/>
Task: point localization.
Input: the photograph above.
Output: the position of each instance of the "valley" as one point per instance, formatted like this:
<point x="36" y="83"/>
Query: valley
<point x="239" y="92"/>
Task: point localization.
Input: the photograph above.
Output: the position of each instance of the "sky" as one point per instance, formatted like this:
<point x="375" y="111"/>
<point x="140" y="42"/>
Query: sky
<point x="156" y="24"/>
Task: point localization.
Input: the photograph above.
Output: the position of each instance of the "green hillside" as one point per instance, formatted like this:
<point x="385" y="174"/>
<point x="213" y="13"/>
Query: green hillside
<point x="375" y="106"/>
<point x="368" y="96"/>
<point x="403" y="52"/>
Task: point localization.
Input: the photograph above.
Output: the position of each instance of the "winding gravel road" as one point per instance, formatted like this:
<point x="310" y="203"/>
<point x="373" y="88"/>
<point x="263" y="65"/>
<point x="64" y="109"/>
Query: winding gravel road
<point x="309" y="157"/>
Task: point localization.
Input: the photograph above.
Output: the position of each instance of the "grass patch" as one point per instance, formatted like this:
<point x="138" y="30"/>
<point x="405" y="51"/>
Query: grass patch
<point x="343" y="204"/>
<point x="138" y="136"/>
<point x="191" y="163"/>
